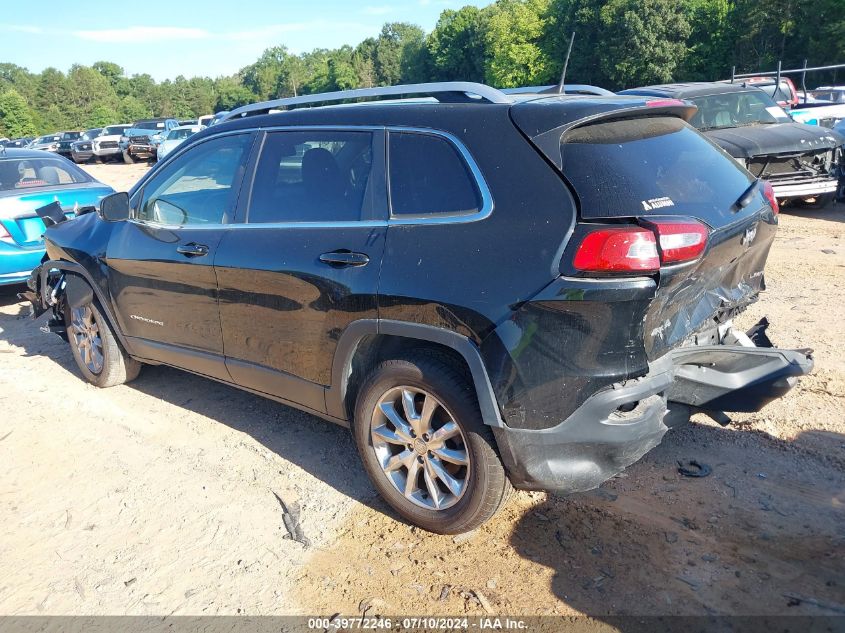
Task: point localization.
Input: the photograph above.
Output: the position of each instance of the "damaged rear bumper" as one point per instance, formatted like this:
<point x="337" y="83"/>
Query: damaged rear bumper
<point x="617" y="426"/>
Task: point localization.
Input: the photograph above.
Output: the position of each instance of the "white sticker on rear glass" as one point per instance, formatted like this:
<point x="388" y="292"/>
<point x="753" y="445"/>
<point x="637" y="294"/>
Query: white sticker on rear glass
<point x="657" y="203"/>
<point x="777" y="112"/>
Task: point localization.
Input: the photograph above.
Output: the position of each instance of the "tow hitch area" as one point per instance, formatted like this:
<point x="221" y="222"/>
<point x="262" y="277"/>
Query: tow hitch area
<point x="743" y="374"/>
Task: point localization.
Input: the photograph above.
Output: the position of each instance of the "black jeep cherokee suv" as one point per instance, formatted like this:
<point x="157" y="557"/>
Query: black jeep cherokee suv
<point x="491" y="289"/>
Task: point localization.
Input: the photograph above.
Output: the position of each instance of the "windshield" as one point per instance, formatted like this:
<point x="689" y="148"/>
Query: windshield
<point x="91" y="134"/>
<point x="114" y="130"/>
<point x="30" y="173"/>
<point x="783" y="92"/>
<point x="177" y="134"/>
<point x="736" y="109"/>
<point x="654" y="165"/>
<point x="50" y="138"/>
<point x="71" y="136"/>
<point x="149" y="125"/>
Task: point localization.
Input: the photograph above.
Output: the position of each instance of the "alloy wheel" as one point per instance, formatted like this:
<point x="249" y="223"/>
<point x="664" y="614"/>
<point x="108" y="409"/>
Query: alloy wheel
<point x="86" y="338"/>
<point x="420" y="448"/>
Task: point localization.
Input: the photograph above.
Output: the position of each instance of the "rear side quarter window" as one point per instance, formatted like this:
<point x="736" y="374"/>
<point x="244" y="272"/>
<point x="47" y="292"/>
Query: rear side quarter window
<point x="428" y="176"/>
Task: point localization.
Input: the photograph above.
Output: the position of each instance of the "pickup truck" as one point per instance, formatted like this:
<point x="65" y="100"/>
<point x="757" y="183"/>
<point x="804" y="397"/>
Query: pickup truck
<point x="140" y="142"/>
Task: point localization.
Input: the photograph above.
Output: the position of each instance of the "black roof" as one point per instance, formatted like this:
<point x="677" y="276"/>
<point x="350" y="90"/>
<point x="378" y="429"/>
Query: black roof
<point x="688" y="90"/>
<point x="416" y="113"/>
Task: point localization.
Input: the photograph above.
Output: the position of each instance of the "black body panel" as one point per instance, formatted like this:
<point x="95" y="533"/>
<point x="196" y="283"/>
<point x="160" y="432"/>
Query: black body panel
<point x="573" y="372"/>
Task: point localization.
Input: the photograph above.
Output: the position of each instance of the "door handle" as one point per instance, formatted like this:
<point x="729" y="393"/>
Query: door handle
<point x="192" y="249"/>
<point x="344" y="258"/>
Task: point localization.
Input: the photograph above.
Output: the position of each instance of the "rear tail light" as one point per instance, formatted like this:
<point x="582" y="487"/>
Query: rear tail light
<point x="624" y="249"/>
<point x="769" y="192"/>
<point x="680" y="241"/>
<point x="633" y="249"/>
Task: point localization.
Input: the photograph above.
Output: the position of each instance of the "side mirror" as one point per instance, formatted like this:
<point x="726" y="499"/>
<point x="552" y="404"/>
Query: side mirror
<point x="115" y="207"/>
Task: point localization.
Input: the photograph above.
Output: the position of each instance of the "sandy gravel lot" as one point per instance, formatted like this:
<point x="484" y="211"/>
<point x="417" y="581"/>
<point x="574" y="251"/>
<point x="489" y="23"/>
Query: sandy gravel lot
<point x="168" y="495"/>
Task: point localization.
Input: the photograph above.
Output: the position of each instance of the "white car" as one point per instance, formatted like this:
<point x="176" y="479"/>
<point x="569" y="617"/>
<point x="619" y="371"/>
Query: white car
<point x="176" y="137"/>
<point x="205" y="120"/>
<point x="106" y="145"/>
<point x="828" y="109"/>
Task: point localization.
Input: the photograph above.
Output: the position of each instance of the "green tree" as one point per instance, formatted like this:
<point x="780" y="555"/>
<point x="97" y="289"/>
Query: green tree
<point x="513" y="39"/>
<point x="131" y="109"/>
<point x="15" y="117"/>
<point x="398" y="44"/>
<point x="232" y="94"/>
<point x="456" y="46"/>
<point x="111" y="71"/>
<point x="644" y="41"/>
<point x="101" y="116"/>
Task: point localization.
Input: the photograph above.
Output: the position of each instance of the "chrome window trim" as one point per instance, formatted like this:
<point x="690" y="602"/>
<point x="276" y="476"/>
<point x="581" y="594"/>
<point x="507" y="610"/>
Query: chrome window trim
<point x="483" y="213"/>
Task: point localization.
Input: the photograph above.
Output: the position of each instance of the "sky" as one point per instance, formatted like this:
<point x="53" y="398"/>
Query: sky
<point x="190" y="37"/>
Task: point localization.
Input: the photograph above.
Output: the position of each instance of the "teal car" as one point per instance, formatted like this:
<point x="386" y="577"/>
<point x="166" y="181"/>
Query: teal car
<point x="30" y="179"/>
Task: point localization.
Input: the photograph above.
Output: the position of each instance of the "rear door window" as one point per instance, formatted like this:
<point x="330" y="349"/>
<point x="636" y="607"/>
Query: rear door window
<point x="313" y="176"/>
<point x="428" y="176"/>
<point x="654" y="165"/>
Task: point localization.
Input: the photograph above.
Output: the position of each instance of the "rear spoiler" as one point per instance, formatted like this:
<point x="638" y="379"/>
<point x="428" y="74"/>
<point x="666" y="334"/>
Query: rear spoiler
<point x="545" y="121"/>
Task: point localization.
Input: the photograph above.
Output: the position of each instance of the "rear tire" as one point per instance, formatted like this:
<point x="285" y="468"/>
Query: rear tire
<point x="420" y="435"/>
<point x="96" y="350"/>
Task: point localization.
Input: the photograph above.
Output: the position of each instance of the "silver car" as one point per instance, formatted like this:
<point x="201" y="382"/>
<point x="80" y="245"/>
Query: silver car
<point x="175" y="138"/>
<point x="48" y="143"/>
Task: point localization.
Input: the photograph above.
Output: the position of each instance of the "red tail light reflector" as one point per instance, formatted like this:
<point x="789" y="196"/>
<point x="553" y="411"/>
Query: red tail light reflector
<point x="623" y="249"/>
<point x="680" y="241"/>
<point x="769" y="192"/>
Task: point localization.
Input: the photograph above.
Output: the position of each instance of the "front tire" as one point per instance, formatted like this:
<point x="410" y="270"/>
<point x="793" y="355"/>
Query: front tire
<point x="421" y="439"/>
<point x="127" y="158"/>
<point x="97" y="353"/>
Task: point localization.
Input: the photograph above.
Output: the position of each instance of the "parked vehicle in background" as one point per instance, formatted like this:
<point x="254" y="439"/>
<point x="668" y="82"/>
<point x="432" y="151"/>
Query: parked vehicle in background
<point x="819" y="113"/>
<point x="66" y="142"/>
<point x="140" y="141"/>
<point x="19" y="143"/>
<point x="81" y="150"/>
<point x="391" y="280"/>
<point x="47" y="143"/>
<point x="218" y="117"/>
<point x="31" y="179"/>
<point x="205" y="120"/>
<point x="176" y="137"/>
<point x="831" y="94"/>
<point x="785" y="94"/>
<point x="802" y="162"/>
<point x="107" y="144"/>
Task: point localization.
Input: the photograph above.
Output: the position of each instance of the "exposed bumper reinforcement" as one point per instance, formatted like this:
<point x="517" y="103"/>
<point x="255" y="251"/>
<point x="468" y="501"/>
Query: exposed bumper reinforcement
<point x="615" y="427"/>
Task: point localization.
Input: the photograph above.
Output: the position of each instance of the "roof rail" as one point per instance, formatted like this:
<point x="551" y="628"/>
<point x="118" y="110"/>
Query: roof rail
<point x="574" y="89"/>
<point x="449" y="91"/>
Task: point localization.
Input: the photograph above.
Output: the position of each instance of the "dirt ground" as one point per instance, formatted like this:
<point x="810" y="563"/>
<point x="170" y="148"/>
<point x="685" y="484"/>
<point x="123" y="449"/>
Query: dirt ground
<point x="169" y="495"/>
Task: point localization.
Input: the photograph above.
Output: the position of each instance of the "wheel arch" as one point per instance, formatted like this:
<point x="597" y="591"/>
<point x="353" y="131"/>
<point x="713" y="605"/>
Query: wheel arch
<point x="366" y="342"/>
<point x="80" y="272"/>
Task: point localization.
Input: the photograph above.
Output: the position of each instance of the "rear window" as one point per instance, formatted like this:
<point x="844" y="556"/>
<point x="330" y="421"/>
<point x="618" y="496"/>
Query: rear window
<point x="32" y="173"/>
<point x="149" y="125"/>
<point x="428" y="176"/>
<point x="656" y="165"/>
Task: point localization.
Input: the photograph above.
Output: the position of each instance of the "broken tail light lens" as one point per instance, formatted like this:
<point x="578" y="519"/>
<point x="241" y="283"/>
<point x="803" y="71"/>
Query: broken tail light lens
<point x="680" y="242"/>
<point x="614" y="250"/>
<point x="769" y="192"/>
